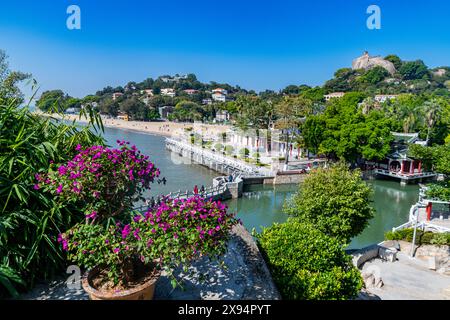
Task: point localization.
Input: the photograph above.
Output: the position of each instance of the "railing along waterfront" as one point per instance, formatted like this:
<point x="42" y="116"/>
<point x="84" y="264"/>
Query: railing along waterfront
<point x="209" y="192"/>
<point x="237" y="167"/>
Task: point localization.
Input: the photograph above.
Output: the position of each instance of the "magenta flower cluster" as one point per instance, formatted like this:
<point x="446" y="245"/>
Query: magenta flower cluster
<point x="173" y="234"/>
<point x="107" y="182"/>
<point x="107" y="179"/>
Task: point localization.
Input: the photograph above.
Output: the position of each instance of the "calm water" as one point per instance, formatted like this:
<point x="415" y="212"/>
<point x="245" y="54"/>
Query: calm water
<point x="261" y="205"/>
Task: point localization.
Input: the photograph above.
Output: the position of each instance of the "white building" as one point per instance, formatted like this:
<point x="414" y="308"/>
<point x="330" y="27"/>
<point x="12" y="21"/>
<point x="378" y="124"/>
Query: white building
<point x="168" y="92"/>
<point x="220" y="97"/>
<point x="165" y="111"/>
<point x="381" y="98"/>
<point x="190" y="91"/>
<point x="147" y="92"/>
<point x="222" y="116"/>
<point x="334" y="95"/>
<point x="117" y="95"/>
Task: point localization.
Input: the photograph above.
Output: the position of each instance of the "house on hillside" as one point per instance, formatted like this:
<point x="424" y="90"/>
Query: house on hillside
<point x="334" y="95"/>
<point x="168" y="92"/>
<point x="190" y="91"/>
<point x="116" y="95"/>
<point x="219" y="95"/>
<point x="381" y="98"/>
<point x="147" y="92"/>
<point x="222" y="116"/>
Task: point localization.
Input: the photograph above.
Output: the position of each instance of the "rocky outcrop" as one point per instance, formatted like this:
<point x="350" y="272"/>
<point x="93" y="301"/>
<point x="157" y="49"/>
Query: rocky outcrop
<point x="367" y="62"/>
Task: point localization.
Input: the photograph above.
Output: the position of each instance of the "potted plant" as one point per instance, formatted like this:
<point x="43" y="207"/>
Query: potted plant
<point x="125" y="251"/>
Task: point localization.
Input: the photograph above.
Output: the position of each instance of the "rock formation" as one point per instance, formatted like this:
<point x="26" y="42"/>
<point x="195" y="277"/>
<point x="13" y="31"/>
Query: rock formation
<point x="367" y="62"/>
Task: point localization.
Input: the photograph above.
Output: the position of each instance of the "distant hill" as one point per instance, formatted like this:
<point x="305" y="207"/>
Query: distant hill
<point x="390" y="75"/>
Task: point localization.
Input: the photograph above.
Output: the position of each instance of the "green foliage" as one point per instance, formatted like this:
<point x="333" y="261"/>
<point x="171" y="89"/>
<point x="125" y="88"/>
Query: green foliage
<point x="10" y="80"/>
<point x="218" y="146"/>
<point x="439" y="191"/>
<point x="52" y="101"/>
<point x="413" y="70"/>
<point x="375" y="75"/>
<point x="244" y="152"/>
<point x="229" y="149"/>
<point x="435" y="158"/>
<point x="395" y="60"/>
<point x="29" y="220"/>
<point x="188" y="111"/>
<point x="335" y="200"/>
<point x="344" y="132"/>
<point x="307" y="264"/>
<point x="421" y="236"/>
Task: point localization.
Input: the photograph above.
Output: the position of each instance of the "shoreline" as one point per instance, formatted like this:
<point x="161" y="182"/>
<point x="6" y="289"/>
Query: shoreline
<point x="160" y="128"/>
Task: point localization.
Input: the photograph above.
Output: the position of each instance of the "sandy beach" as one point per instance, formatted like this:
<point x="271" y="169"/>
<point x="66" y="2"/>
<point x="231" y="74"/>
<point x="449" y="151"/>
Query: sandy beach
<point x="164" y="128"/>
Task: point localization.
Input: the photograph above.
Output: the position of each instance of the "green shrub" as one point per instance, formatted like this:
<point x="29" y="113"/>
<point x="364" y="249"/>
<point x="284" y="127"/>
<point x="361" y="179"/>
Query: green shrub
<point x="421" y="237"/>
<point x="229" y="150"/>
<point x="440" y="239"/>
<point x="307" y="264"/>
<point x="244" y="152"/>
<point x="335" y="200"/>
<point x="218" y="146"/>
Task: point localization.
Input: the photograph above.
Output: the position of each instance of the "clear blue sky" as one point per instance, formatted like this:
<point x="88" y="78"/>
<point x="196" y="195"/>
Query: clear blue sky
<point x="255" y="44"/>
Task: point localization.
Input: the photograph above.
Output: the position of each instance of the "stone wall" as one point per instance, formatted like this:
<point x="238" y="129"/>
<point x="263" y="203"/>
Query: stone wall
<point x="289" y="178"/>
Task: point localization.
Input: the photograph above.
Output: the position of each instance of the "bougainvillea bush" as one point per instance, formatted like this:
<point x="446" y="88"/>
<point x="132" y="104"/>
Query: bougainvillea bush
<point x="173" y="234"/>
<point x="107" y="182"/>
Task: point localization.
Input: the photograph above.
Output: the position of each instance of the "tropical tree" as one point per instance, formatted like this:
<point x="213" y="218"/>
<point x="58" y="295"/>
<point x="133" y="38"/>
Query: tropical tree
<point x="9" y="80"/>
<point x="335" y="200"/>
<point x="52" y="101"/>
<point x="290" y="113"/>
<point x="187" y="111"/>
<point x="255" y="113"/>
<point x="432" y="110"/>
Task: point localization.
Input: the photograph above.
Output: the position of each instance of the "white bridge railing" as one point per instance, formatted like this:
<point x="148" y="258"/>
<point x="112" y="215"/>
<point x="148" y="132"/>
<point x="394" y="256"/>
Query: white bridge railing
<point x="209" y="192"/>
<point x="236" y="166"/>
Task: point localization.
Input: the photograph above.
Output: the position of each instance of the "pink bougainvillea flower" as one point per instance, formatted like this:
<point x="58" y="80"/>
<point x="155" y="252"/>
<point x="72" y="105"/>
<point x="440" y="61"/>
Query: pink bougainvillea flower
<point x="92" y="215"/>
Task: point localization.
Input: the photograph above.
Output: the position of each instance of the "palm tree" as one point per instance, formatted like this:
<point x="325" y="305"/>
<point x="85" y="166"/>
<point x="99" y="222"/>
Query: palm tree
<point x="290" y="112"/>
<point x="432" y="109"/>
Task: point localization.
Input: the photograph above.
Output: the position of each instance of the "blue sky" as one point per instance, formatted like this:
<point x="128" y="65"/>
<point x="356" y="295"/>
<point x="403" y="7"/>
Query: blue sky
<point x="255" y="44"/>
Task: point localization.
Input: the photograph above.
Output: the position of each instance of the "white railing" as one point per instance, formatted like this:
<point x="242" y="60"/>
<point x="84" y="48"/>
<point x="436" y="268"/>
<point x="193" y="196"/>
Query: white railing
<point x="209" y="192"/>
<point x="405" y="175"/>
<point x="413" y="217"/>
<point x="247" y="170"/>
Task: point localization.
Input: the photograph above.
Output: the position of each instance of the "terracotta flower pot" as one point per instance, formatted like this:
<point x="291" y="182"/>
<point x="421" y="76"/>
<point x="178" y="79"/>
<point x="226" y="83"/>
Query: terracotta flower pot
<point x="144" y="291"/>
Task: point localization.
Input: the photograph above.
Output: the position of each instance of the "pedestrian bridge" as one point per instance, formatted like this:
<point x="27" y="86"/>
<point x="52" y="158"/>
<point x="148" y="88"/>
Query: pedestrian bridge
<point x="217" y="161"/>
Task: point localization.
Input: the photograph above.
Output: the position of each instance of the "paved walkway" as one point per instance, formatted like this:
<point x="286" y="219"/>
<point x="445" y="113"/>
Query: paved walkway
<point x="246" y="277"/>
<point x="408" y="279"/>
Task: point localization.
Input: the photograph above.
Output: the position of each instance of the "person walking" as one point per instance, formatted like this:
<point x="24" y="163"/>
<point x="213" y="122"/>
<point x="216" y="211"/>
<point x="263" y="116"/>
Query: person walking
<point x="196" y="189"/>
<point x="202" y="189"/>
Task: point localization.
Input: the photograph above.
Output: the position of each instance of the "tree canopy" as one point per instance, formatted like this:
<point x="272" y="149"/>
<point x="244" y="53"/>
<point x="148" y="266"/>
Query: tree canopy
<point x="335" y="200"/>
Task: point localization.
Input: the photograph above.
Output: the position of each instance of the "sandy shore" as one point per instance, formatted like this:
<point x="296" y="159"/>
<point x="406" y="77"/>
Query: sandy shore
<point x="165" y="128"/>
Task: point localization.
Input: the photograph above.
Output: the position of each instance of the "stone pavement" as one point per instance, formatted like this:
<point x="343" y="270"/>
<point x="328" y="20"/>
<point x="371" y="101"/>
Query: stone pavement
<point x="408" y="279"/>
<point x="245" y="277"/>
